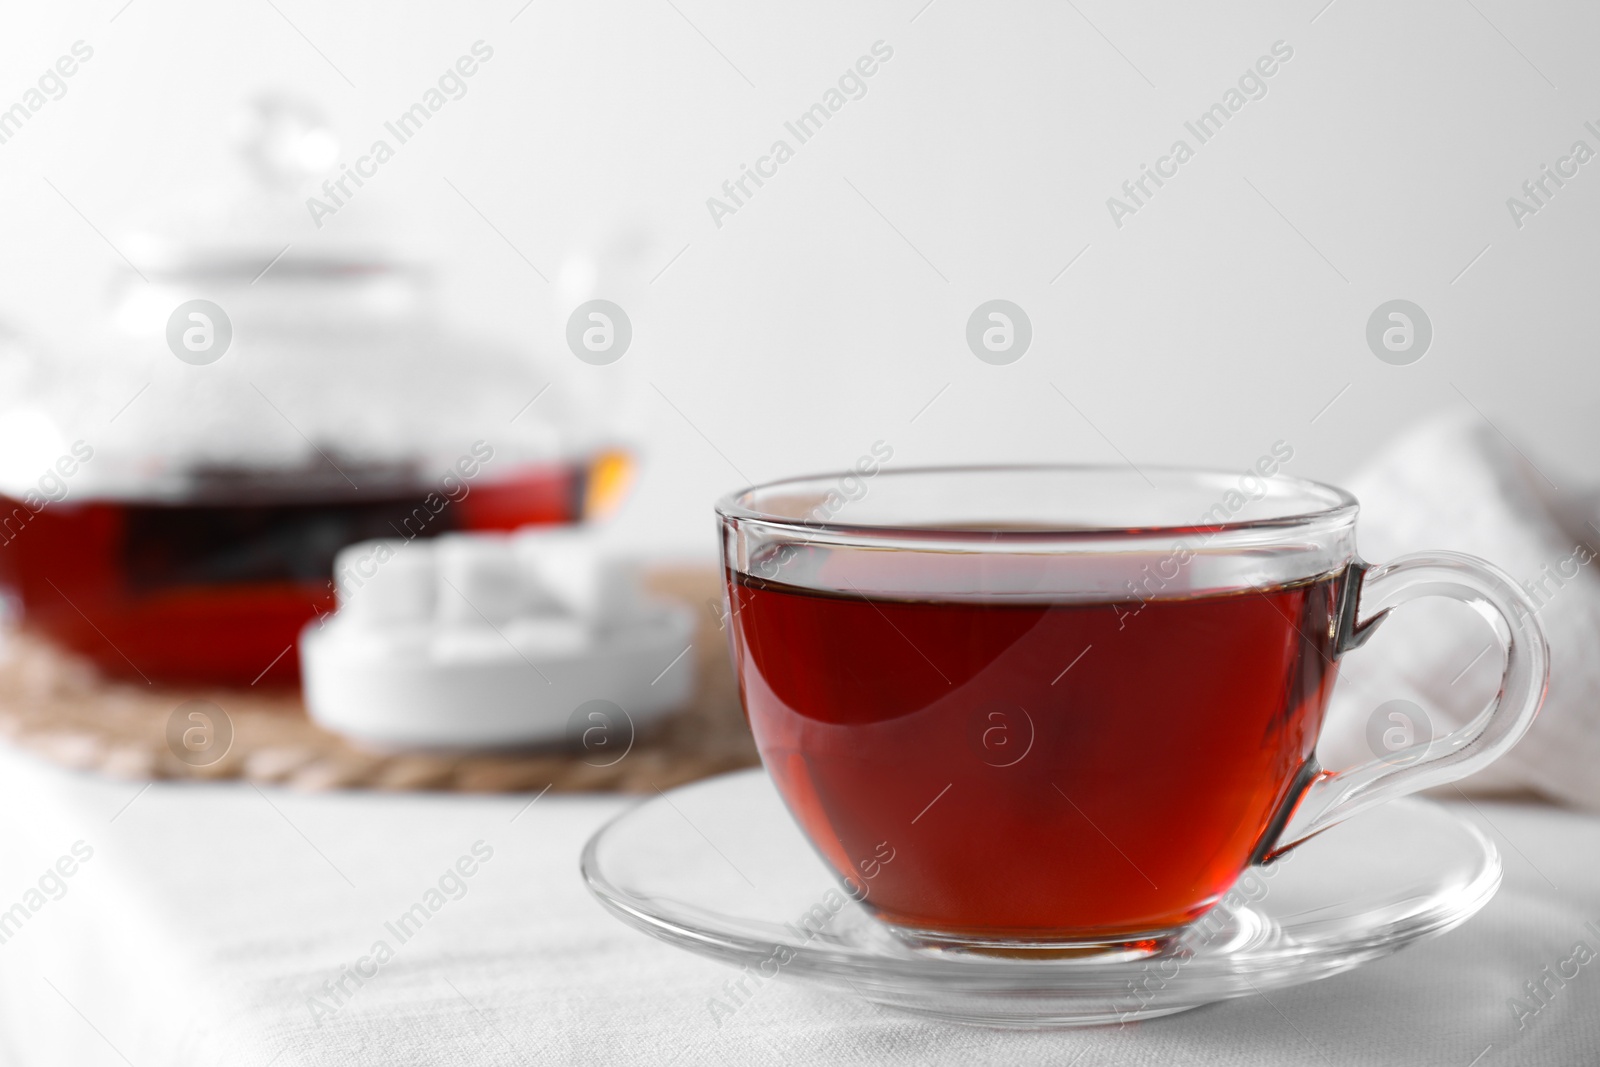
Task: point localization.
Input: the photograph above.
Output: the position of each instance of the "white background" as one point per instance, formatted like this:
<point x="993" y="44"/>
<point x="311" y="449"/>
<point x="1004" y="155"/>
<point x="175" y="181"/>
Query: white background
<point x="806" y="327"/>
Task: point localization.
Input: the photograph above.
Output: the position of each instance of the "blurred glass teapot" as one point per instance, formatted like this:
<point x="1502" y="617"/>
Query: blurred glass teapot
<point x="173" y="494"/>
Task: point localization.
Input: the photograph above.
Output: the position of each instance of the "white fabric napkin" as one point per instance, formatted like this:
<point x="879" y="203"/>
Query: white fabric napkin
<point x="1458" y="484"/>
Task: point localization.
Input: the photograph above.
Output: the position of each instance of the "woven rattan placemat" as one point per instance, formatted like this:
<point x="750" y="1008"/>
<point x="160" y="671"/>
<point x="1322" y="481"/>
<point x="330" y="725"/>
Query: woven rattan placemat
<point x="56" y="705"/>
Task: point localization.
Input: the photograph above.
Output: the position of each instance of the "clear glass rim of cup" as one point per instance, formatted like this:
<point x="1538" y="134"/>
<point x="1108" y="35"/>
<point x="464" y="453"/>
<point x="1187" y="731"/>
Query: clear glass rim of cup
<point x="1079" y="531"/>
<point x="1267" y="501"/>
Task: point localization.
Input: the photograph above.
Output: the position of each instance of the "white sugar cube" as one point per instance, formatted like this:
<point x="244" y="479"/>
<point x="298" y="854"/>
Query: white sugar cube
<point x="480" y="580"/>
<point x="386" y="582"/>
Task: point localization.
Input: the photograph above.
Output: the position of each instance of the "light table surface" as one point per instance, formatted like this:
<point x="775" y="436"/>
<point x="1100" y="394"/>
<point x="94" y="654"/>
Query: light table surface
<point x="208" y="917"/>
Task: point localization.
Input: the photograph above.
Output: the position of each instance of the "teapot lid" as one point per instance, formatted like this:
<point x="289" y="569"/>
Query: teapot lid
<point x="283" y="147"/>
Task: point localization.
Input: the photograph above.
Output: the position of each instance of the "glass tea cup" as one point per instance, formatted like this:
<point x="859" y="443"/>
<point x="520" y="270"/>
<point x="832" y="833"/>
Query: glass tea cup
<point x="1060" y="710"/>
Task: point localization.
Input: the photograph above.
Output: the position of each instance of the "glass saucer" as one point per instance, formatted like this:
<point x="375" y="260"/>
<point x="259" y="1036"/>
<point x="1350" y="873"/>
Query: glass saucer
<point x="719" y="868"/>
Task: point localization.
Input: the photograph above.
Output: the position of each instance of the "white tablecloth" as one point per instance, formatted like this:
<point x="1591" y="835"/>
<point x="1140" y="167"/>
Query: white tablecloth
<point x="206" y="917"/>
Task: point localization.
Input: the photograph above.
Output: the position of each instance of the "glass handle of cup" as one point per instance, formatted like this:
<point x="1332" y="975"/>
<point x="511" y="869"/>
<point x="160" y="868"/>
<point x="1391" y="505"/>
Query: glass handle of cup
<point x="1333" y="796"/>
